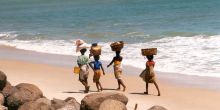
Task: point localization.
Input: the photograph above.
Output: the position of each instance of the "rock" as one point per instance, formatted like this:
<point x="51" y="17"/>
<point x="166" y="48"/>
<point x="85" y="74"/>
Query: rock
<point x="156" y="107"/>
<point x="23" y="93"/>
<point x="44" y="101"/>
<point x="57" y="103"/>
<point x="2" y="99"/>
<point x="3" y="107"/>
<point x="72" y="101"/>
<point x="93" y="101"/>
<point x="33" y="105"/>
<point x="68" y="107"/>
<point x="8" y="90"/>
<point x="70" y="104"/>
<point x="110" y="104"/>
<point x="3" y="80"/>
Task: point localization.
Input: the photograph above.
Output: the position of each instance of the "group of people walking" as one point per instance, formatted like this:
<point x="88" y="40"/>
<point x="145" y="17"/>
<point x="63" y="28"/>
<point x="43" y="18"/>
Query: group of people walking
<point x="84" y="63"/>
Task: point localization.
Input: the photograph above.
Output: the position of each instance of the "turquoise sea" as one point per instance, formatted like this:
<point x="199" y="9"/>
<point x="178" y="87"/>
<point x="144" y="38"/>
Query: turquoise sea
<point x="186" y="32"/>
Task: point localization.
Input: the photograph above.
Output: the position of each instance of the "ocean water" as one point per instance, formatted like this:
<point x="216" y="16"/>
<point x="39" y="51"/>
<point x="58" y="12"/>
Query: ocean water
<point x="186" y="32"/>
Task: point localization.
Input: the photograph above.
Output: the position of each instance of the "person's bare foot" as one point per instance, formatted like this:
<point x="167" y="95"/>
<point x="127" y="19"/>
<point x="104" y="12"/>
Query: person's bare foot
<point x="158" y="94"/>
<point x="87" y="89"/>
<point x="118" y="89"/>
<point x="101" y="89"/>
<point x="145" y="92"/>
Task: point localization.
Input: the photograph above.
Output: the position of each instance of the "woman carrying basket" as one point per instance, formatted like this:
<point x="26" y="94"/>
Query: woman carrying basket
<point x="148" y="74"/>
<point x="117" y="46"/>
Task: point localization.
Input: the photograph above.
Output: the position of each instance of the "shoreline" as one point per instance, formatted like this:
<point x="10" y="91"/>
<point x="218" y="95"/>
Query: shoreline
<point x="7" y="52"/>
<point x="58" y="81"/>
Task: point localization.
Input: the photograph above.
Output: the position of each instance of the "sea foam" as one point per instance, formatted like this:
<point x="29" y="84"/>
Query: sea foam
<point x="197" y="55"/>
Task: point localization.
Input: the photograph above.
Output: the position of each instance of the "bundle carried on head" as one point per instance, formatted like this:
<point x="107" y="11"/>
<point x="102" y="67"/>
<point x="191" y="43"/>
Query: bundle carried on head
<point x="149" y="51"/>
<point x="80" y="44"/>
<point x="117" y="46"/>
<point x="95" y="49"/>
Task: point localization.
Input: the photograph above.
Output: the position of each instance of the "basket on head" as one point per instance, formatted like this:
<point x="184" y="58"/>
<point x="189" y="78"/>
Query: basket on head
<point x="117" y="46"/>
<point x="149" y="51"/>
<point x="95" y="49"/>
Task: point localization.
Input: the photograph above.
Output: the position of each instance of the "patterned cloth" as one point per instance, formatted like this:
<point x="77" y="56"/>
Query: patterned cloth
<point x="82" y="60"/>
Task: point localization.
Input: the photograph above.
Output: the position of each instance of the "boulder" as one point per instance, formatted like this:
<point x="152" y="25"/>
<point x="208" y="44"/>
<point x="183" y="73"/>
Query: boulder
<point x="69" y="103"/>
<point x="2" y="99"/>
<point x="44" y="101"/>
<point x="33" y="105"/>
<point x="8" y="90"/>
<point x="156" y="107"/>
<point x="110" y="104"/>
<point x="3" y="80"/>
<point x="57" y="103"/>
<point x="23" y="93"/>
<point x="93" y="101"/>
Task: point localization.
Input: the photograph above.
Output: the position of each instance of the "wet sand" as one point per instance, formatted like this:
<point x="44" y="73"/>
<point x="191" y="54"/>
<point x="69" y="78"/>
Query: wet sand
<point x="53" y="75"/>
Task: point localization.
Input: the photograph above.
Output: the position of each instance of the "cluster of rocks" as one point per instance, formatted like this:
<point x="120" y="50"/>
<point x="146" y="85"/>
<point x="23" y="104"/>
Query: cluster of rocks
<point x="26" y="96"/>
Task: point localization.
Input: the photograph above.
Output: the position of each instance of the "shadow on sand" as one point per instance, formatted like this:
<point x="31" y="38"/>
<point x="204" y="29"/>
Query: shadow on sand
<point x="80" y="91"/>
<point x="109" y="89"/>
<point x="142" y="94"/>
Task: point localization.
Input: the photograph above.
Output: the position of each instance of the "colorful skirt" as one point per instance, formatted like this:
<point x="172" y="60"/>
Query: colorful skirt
<point x="117" y="71"/>
<point x="96" y="76"/>
<point x="147" y="77"/>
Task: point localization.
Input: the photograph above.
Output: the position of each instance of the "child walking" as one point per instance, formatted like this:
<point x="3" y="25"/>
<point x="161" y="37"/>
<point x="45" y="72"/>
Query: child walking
<point x="97" y="66"/>
<point x="118" y="69"/>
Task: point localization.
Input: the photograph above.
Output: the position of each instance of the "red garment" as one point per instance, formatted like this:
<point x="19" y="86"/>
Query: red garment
<point x="150" y="63"/>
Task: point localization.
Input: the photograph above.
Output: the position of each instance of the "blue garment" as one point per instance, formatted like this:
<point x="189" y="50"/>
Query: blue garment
<point x="97" y="65"/>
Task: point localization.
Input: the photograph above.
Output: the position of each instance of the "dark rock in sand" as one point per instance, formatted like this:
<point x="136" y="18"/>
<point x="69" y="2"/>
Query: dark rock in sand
<point x="23" y="93"/>
<point x="93" y="101"/>
<point x="110" y="104"/>
<point x="156" y="107"/>
<point x="33" y="105"/>
<point x="3" y="80"/>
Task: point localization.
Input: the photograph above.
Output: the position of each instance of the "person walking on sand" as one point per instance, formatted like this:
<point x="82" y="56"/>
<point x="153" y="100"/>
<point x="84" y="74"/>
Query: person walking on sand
<point x="97" y="66"/>
<point x="118" y="69"/>
<point x="82" y="62"/>
<point x="148" y="74"/>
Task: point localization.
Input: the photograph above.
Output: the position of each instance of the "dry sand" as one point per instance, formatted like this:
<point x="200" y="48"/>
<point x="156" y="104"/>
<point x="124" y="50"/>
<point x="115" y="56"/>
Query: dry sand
<point x="60" y="82"/>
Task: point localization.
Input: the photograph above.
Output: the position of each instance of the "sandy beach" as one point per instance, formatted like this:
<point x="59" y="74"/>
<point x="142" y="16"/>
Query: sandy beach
<point x="58" y="81"/>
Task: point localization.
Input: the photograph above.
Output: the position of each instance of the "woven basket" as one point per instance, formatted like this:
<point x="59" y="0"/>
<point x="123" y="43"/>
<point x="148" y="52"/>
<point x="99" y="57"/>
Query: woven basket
<point x="149" y="51"/>
<point x="95" y="50"/>
<point x="117" y="46"/>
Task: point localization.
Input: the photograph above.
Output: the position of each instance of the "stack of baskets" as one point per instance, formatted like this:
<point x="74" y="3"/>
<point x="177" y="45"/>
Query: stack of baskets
<point x="117" y="46"/>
